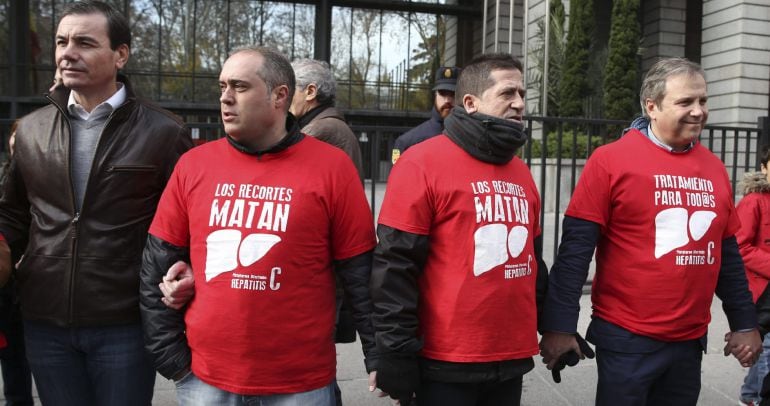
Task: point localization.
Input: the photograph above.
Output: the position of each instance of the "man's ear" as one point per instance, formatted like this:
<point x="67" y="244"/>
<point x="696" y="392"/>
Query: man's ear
<point x="311" y="92"/>
<point x="123" y="52"/>
<point x="649" y="107"/>
<point x="470" y="103"/>
<point x="281" y="94"/>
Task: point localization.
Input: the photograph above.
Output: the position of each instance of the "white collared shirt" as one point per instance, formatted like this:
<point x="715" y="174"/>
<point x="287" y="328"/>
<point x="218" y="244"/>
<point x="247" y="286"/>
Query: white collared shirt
<point x="660" y="143"/>
<point x="104" y="109"/>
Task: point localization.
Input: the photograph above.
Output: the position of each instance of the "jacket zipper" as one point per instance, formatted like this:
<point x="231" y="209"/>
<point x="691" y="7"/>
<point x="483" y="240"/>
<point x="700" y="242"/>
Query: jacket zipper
<point x="75" y="217"/>
<point x="73" y="268"/>
<point x="76" y="214"/>
<point x="131" y="168"/>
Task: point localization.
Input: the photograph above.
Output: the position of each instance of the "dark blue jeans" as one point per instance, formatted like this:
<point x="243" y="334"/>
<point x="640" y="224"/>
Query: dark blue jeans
<point x="89" y="365"/>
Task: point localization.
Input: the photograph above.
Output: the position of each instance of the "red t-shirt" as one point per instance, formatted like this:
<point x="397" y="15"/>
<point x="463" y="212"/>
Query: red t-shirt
<point x="477" y="290"/>
<point x="263" y="232"/>
<point x="663" y="217"/>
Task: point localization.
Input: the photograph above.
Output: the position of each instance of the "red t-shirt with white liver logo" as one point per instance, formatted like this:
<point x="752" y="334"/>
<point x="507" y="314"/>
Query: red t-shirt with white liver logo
<point x="263" y="232"/>
<point x="477" y="290"/>
<point x="663" y="217"/>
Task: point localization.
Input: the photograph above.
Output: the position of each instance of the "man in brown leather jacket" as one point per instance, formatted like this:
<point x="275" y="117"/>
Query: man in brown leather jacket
<point x="83" y="185"/>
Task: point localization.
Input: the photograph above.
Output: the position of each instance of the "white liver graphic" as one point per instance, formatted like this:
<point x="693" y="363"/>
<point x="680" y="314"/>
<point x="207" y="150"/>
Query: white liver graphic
<point x="255" y="246"/>
<point x="671" y="226"/>
<point x="493" y="243"/>
<point x="224" y="250"/>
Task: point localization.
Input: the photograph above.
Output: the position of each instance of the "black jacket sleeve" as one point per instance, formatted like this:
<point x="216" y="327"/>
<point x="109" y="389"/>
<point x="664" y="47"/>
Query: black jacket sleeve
<point x="355" y="274"/>
<point x="733" y="288"/>
<point x="569" y="273"/>
<point x="541" y="283"/>
<point x="164" y="328"/>
<point x="398" y="262"/>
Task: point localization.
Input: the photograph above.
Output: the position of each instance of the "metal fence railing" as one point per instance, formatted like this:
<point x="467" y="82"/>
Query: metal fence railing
<point x="556" y="153"/>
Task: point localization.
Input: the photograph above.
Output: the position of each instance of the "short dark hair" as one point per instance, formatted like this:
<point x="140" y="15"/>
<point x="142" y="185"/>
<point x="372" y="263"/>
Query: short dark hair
<point x="764" y="155"/>
<point x="276" y="69"/>
<point x="475" y="77"/>
<point x="117" y="25"/>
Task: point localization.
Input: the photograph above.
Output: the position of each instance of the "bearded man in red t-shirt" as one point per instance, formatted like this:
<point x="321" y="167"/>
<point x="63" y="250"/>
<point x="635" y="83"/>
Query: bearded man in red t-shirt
<point x="657" y="207"/>
<point x="458" y="268"/>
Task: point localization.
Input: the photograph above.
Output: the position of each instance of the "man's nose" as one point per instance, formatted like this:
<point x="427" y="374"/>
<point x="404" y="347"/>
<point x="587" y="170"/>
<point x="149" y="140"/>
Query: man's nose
<point x="68" y="52"/>
<point x="699" y="110"/>
<point x="517" y="103"/>
<point x="226" y="97"/>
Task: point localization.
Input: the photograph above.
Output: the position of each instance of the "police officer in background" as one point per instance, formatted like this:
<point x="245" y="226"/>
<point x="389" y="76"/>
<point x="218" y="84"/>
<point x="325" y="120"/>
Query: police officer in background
<point x="443" y="101"/>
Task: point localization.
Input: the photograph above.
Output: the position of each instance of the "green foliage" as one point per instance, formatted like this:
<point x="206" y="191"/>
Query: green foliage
<point x="579" y="139"/>
<point x="556" y="54"/>
<point x="426" y="57"/>
<point x="620" y="79"/>
<point x="574" y="86"/>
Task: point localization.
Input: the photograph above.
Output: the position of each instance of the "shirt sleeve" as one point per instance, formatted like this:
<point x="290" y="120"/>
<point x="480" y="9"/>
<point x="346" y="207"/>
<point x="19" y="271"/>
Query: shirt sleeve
<point x="407" y="205"/>
<point x="352" y="224"/>
<point x="591" y="198"/>
<point x="171" y="221"/>
<point x="733" y="221"/>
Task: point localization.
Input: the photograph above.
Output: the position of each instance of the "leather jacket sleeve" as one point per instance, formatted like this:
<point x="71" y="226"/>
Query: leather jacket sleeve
<point x="14" y="206"/>
<point x="164" y="328"/>
<point x="398" y="262"/>
<point x="182" y="144"/>
<point x="355" y="273"/>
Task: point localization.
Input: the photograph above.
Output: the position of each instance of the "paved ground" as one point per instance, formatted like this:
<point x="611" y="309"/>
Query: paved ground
<point x="721" y="376"/>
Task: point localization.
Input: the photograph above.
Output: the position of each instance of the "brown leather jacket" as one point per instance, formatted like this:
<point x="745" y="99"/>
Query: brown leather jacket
<point x="82" y="268"/>
<point x="330" y="127"/>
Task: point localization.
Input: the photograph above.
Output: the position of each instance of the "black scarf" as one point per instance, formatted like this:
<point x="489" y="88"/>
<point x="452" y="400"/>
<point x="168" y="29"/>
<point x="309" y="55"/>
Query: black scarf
<point x="312" y="113"/>
<point x="293" y="136"/>
<point x="486" y="138"/>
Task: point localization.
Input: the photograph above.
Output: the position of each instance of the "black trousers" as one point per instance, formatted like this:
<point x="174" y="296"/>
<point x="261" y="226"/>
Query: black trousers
<point x="639" y="371"/>
<point x="493" y="393"/>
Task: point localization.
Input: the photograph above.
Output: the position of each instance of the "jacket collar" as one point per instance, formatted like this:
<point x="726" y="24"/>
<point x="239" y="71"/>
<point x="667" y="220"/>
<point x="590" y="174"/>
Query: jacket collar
<point x="435" y="115"/>
<point x="293" y="136"/>
<point x="754" y="182"/>
<point x="61" y="94"/>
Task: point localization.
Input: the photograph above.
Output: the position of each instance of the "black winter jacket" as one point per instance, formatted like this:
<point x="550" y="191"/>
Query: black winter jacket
<point x="82" y="268"/>
<point x="428" y="129"/>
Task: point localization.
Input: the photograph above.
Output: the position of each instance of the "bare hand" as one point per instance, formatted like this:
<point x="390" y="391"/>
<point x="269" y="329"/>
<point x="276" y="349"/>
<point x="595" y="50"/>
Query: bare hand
<point x="553" y="345"/>
<point x="178" y="285"/>
<point x="744" y="346"/>
<point x="5" y="263"/>
<point x="57" y="81"/>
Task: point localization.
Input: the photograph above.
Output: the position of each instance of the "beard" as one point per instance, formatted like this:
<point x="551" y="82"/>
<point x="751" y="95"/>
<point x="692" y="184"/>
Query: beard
<point x="444" y="109"/>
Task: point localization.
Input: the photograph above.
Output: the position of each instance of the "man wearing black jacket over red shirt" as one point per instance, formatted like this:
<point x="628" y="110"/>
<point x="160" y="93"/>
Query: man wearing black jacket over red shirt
<point x="458" y="269"/>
